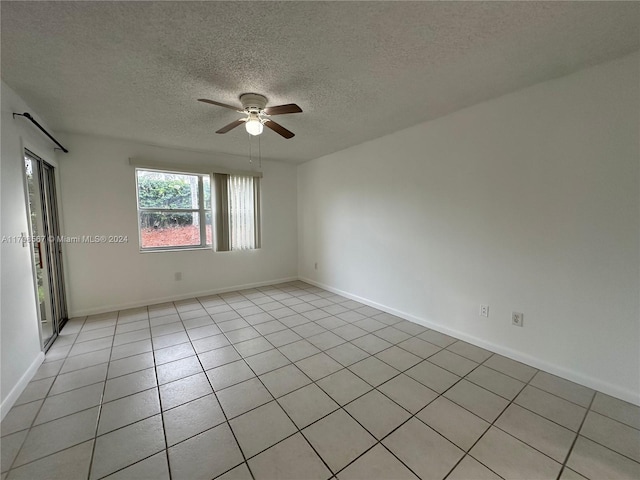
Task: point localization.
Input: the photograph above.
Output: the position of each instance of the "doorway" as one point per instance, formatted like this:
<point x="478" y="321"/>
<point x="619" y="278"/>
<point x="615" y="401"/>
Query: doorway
<point x="46" y="247"/>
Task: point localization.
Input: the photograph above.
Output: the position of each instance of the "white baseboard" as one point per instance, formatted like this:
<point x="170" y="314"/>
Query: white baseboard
<point x="174" y="298"/>
<point x="572" y="375"/>
<point x="19" y="387"/>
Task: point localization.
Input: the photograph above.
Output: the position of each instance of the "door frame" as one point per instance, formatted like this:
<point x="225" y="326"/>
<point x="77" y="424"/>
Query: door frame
<point x="57" y="299"/>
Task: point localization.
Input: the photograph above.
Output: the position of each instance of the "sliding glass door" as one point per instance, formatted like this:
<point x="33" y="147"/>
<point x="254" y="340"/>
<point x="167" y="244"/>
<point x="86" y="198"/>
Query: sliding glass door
<point x="46" y="247"/>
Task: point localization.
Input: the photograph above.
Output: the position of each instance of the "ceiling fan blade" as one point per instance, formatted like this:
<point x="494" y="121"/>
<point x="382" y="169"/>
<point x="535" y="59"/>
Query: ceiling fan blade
<point x="279" y="129"/>
<point x="282" y="109"/>
<point x="231" y="126"/>
<point x="213" y="102"/>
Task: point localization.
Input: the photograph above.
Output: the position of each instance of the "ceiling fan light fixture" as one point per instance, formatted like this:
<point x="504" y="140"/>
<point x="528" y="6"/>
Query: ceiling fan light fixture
<point x="254" y="125"/>
<point x="255" y="107"/>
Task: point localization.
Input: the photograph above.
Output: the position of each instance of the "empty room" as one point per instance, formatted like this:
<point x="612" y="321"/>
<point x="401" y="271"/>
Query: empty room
<point x="320" y="240"/>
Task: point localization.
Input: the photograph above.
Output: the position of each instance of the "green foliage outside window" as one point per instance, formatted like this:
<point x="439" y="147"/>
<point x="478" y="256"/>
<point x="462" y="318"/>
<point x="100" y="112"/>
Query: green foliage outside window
<point x="167" y="191"/>
<point x="164" y="193"/>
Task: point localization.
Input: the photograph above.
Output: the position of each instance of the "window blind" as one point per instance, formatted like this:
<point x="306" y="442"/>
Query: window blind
<point x="237" y="212"/>
<point x="242" y="212"/>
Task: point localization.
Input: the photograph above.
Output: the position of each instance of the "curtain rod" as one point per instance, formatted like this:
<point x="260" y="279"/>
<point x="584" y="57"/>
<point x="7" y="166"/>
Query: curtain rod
<point x="33" y="120"/>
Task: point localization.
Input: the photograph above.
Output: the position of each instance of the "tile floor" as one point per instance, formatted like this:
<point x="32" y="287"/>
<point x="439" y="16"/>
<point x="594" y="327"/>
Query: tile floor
<point x="290" y="381"/>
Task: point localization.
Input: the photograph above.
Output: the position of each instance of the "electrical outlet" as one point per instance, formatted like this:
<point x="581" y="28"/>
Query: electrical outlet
<point x="484" y="310"/>
<point x="517" y="319"/>
<point x="178" y="276"/>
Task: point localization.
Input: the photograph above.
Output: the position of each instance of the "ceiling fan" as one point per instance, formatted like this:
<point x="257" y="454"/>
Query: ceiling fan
<point x="255" y="107"/>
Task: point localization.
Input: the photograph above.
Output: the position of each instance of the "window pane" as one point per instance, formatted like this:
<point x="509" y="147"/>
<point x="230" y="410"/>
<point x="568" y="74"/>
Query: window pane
<point x="206" y="185"/>
<point x="209" y="228"/>
<point x="241" y="213"/>
<point x="167" y="190"/>
<point x="169" y="229"/>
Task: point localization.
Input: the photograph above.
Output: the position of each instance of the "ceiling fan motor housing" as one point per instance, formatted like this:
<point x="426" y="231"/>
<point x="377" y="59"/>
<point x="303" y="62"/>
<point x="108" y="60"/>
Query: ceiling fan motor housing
<point x="253" y="102"/>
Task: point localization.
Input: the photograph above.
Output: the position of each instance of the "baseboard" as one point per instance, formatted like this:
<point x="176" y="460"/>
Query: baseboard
<point x="19" y="387"/>
<point x="174" y="298"/>
<point x="568" y="374"/>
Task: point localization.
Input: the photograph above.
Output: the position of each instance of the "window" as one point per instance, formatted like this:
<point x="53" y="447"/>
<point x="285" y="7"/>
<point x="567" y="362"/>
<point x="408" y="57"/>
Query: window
<point x="174" y="210"/>
<point x="194" y="210"/>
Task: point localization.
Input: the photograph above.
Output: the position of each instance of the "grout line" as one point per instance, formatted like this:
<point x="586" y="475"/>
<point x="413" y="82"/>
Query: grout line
<point x="491" y="424"/>
<point x="562" y="398"/>
<point x="134" y="463"/>
<point x="164" y="430"/>
<point x="539" y="414"/>
<point x="575" y="439"/>
<point x="95" y="436"/>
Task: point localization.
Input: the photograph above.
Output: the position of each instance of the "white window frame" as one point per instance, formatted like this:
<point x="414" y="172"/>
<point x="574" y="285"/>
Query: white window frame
<point x="202" y="212"/>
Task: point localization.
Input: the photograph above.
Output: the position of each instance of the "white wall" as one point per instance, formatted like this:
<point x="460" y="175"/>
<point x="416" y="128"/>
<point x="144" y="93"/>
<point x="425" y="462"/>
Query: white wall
<point x="528" y="202"/>
<point x="99" y="198"/>
<point x="21" y="352"/>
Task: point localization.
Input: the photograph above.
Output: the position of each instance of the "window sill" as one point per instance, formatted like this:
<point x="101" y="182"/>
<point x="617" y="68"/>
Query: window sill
<point x="175" y="249"/>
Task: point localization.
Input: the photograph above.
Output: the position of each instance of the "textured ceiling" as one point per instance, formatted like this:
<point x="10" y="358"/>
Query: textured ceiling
<point x="359" y="70"/>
